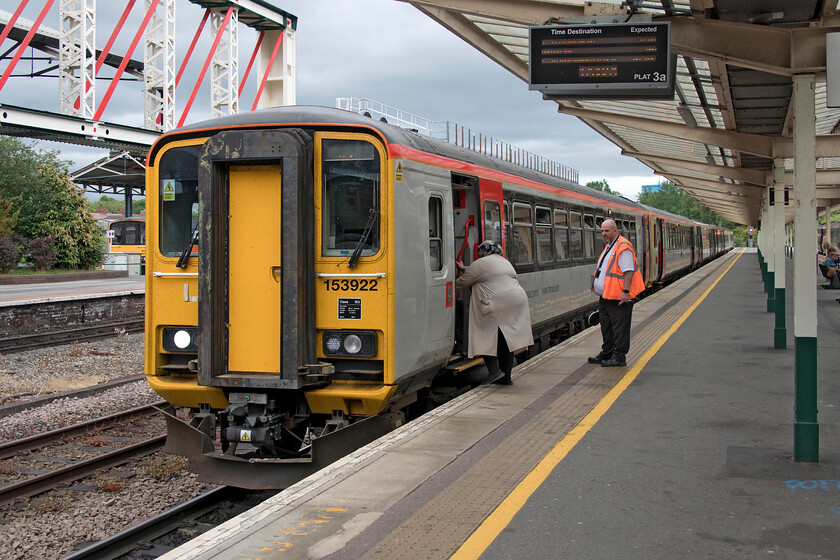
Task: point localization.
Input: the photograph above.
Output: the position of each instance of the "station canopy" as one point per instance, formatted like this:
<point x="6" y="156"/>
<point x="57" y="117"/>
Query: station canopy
<point x="731" y="113"/>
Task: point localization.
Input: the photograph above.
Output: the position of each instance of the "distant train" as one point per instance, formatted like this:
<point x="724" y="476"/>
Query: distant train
<point x="127" y="235"/>
<point x="311" y="307"/>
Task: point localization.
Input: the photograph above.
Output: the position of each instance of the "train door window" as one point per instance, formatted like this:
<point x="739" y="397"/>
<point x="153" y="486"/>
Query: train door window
<point x="178" y="199"/>
<point x="599" y="239"/>
<point x="575" y="235"/>
<point x="350" y="181"/>
<point x="545" y="254"/>
<point x="435" y="233"/>
<point x="561" y="234"/>
<point x="523" y="224"/>
<point x="589" y="236"/>
<point x="506" y="225"/>
<point x="492" y="221"/>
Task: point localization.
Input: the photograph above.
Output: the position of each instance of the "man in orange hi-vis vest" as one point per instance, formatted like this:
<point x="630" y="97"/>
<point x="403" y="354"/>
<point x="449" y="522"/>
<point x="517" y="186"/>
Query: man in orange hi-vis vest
<point x="617" y="281"/>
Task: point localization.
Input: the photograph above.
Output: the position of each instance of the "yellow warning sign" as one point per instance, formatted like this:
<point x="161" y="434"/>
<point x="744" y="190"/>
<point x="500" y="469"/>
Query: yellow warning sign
<point x="168" y="189"/>
<point x="399" y="174"/>
<point x="245" y="435"/>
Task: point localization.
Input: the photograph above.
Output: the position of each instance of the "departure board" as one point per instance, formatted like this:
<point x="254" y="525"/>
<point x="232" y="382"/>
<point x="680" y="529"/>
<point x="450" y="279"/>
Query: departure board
<point x="602" y="61"/>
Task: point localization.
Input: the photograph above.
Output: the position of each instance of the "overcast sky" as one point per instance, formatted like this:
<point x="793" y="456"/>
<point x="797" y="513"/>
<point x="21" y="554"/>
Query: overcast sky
<point x="383" y="50"/>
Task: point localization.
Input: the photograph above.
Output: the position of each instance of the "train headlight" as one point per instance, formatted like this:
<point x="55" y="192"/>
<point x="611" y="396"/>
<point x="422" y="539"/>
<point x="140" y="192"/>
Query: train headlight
<point x="360" y="344"/>
<point x="180" y="339"/>
<point x="332" y="344"/>
<point x="352" y="344"/>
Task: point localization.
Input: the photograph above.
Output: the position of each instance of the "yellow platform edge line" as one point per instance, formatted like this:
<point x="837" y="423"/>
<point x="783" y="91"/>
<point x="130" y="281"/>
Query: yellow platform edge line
<point x="487" y="532"/>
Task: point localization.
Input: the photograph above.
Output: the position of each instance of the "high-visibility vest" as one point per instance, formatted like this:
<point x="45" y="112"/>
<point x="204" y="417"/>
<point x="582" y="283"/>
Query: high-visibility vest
<point x="614" y="278"/>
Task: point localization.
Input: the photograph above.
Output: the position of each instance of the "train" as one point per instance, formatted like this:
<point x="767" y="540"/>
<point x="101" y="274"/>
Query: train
<point x="300" y="295"/>
<point x="127" y="235"/>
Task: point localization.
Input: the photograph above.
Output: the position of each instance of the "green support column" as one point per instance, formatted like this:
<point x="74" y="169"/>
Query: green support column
<point x="806" y="429"/>
<point x="771" y="292"/>
<point x="780" y="334"/>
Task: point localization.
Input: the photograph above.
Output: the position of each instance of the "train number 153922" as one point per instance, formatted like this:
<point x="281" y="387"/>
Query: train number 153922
<point x="354" y="285"/>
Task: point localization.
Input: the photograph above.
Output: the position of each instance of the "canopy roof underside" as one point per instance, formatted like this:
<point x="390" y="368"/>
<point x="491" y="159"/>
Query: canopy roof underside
<point x="731" y="114"/>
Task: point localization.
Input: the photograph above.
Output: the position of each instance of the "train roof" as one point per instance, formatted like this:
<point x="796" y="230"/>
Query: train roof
<point x="310" y="115"/>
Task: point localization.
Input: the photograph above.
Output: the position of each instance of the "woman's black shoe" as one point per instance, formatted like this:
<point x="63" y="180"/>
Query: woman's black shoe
<point x="597" y="359"/>
<point x="504" y="380"/>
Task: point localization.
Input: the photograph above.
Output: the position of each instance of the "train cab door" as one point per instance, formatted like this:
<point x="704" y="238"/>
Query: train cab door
<point x="255" y="249"/>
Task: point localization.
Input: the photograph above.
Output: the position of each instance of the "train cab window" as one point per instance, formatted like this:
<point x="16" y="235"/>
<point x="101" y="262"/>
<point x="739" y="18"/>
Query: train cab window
<point x="492" y="222"/>
<point x="435" y="233"/>
<point x="561" y="234"/>
<point x="589" y="236"/>
<point x="523" y="224"/>
<point x="350" y="181"/>
<point x="545" y="254"/>
<point x="575" y="235"/>
<point x="178" y="202"/>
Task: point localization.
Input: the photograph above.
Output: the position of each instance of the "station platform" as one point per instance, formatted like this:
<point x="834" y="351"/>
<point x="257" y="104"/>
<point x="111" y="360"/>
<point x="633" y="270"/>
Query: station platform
<point x="685" y="453"/>
<point x="20" y="294"/>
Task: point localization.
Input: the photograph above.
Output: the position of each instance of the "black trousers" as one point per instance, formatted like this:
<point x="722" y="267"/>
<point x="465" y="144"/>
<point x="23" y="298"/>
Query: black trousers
<point x="503" y="360"/>
<point x="615" y="327"/>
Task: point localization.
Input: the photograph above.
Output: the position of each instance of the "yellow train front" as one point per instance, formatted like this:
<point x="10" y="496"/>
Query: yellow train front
<point x="270" y="296"/>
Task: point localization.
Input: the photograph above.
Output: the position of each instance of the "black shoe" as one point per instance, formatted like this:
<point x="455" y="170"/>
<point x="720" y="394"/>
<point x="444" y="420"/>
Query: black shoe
<point x="597" y="359"/>
<point x="613" y="362"/>
<point x="504" y="380"/>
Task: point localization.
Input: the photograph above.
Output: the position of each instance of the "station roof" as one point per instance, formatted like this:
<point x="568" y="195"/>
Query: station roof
<point x="731" y="114"/>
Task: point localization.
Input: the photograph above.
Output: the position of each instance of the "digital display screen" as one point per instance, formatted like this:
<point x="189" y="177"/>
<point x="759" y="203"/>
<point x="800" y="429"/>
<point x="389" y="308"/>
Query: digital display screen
<point x="608" y="61"/>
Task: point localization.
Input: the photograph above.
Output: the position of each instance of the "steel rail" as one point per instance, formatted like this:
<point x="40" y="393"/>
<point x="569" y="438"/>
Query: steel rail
<point x="11" y="448"/>
<point x="79" y="470"/>
<point x="99" y="330"/>
<point x="127" y="540"/>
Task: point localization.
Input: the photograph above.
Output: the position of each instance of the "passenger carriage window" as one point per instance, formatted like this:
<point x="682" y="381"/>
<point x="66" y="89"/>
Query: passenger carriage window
<point x="435" y="233"/>
<point x="178" y="192"/>
<point x="575" y="235"/>
<point x="589" y="236"/>
<point x="523" y="249"/>
<point x="492" y="221"/>
<point x="350" y="201"/>
<point x="544" y="252"/>
<point x="561" y="235"/>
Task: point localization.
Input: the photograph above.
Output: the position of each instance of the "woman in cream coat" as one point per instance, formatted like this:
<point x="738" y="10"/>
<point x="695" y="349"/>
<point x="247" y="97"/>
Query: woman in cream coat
<point x="500" y="322"/>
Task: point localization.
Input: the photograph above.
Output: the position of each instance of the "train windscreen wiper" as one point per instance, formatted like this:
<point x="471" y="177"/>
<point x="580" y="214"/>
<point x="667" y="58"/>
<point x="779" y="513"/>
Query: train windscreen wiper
<point x="185" y="254"/>
<point x="357" y="252"/>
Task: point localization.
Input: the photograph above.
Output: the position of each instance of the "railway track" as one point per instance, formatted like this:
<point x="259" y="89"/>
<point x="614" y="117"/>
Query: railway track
<point x="143" y="534"/>
<point x="67" y="336"/>
<point x="78" y="469"/>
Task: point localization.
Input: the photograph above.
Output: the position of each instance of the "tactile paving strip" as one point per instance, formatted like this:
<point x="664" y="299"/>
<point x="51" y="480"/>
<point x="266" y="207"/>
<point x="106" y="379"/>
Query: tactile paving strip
<point x="443" y="523"/>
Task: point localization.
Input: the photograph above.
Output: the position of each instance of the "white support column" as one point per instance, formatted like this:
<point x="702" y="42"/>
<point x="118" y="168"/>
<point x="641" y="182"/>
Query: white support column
<point x="768" y="222"/>
<point x="806" y="427"/>
<point x="805" y="200"/>
<point x="224" y="69"/>
<point x="280" y="86"/>
<point x="159" y="68"/>
<point x="77" y="58"/>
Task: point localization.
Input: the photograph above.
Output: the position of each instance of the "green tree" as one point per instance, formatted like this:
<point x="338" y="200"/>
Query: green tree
<point x="673" y="199"/>
<point x="602" y="186"/>
<point x="117" y="206"/>
<point x="48" y="204"/>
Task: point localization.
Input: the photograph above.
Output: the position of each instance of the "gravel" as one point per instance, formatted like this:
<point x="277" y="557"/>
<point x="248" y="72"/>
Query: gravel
<point x="52" y="525"/>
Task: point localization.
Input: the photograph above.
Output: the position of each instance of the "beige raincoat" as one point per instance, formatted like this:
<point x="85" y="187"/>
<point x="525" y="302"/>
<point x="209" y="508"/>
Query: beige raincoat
<point x="497" y="302"/>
